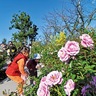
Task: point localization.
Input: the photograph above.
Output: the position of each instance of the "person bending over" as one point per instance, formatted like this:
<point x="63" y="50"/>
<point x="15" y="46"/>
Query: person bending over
<point x="32" y="66"/>
<point x="15" y="70"/>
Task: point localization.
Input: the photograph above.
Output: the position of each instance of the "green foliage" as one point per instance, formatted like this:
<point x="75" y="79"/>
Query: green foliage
<point x="79" y="70"/>
<point x="36" y="48"/>
<point x="2" y="59"/>
<point x="4" y="41"/>
<point x="25" y="29"/>
<point x="31" y="90"/>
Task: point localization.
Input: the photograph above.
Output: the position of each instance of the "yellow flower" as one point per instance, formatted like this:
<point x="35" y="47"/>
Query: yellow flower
<point x="60" y="40"/>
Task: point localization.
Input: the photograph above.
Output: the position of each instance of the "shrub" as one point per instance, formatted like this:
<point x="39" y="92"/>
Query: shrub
<point x="79" y="66"/>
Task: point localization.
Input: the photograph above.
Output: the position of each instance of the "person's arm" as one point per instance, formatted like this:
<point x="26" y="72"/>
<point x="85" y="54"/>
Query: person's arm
<point x="21" y="65"/>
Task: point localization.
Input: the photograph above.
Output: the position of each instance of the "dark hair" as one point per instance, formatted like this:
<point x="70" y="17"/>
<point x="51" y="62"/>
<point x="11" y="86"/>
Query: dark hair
<point x="20" y="50"/>
<point x="25" y="49"/>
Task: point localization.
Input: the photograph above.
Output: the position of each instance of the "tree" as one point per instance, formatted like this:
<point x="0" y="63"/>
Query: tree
<point x="32" y="36"/>
<point x="71" y="20"/>
<point x="25" y="29"/>
<point x="4" y="41"/>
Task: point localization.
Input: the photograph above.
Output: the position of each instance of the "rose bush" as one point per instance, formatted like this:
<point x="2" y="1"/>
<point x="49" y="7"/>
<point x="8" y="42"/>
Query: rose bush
<point x="75" y="61"/>
<point x="70" y="50"/>
<point x="86" y="41"/>
<point x="70" y="85"/>
<point x="52" y="79"/>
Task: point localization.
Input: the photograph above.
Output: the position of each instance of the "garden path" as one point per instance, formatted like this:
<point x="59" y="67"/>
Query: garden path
<point x="9" y="86"/>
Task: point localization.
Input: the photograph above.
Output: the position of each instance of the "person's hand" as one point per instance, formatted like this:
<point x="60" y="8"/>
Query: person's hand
<point x="25" y="75"/>
<point x="31" y="69"/>
<point x="38" y="66"/>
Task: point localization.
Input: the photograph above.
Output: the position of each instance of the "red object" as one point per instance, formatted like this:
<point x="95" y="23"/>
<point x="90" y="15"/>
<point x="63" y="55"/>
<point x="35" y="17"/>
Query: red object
<point x="13" y="69"/>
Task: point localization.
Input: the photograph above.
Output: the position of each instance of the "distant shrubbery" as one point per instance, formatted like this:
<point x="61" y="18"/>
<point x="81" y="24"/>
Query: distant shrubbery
<point x="2" y="59"/>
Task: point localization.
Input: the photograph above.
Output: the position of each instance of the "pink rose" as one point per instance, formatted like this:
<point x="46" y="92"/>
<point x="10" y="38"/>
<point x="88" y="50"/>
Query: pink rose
<point x="62" y="54"/>
<point x="43" y="90"/>
<point x="70" y="85"/>
<point x="54" y="78"/>
<point x="43" y="80"/>
<point x="72" y="48"/>
<point x="86" y="41"/>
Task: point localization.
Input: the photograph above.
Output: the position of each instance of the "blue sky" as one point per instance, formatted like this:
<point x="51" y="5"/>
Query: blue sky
<point x="37" y="9"/>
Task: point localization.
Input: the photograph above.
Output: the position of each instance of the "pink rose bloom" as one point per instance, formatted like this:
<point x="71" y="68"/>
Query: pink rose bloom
<point x="70" y="85"/>
<point x="62" y="54"/>
<point x="72" y="47"/>
<point x="43" y="90"/>
<point x="54" y="78"/>
<point x="43" y="80"/>
<point x="86" y="41"/>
